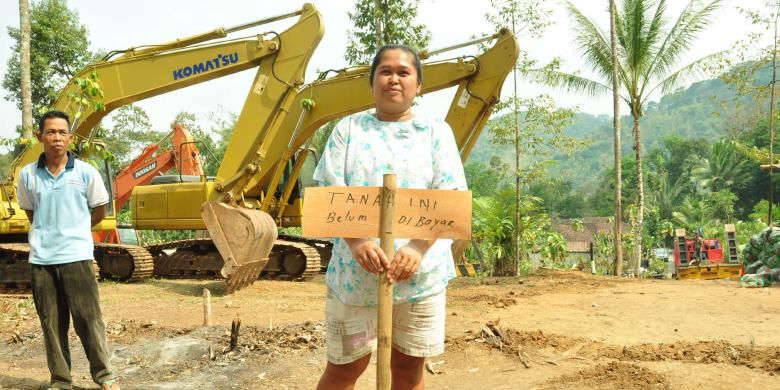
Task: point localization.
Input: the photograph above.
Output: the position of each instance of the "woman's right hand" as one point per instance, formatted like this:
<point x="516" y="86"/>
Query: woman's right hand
<point x="368" y="254"/>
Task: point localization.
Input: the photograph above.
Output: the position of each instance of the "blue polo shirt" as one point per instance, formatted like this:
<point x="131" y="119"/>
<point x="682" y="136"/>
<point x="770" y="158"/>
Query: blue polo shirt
<point x="61" y="230"/>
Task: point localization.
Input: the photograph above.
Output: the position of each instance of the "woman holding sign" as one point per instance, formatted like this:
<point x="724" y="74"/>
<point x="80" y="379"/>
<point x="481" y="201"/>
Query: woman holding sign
<point x="422" y="153"/>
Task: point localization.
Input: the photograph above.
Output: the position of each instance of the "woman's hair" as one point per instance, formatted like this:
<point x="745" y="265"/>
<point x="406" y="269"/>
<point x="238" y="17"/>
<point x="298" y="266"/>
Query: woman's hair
<point x="383" y="49"/>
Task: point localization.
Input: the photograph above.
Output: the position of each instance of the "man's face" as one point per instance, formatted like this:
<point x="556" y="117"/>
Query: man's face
<point x="55" y="136"/>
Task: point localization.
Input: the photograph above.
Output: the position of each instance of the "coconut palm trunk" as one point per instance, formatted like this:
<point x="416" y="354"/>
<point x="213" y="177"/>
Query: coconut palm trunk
<point x="640" y="193"/>
<point x="24" y="62"/>
<point x="618" y="242"/>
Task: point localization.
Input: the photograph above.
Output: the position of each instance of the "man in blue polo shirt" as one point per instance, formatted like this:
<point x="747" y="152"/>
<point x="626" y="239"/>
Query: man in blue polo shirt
<point x="63" y="198"/>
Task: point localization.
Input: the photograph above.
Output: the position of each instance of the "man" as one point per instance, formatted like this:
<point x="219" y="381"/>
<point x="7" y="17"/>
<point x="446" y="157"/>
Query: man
<point x="697" y="246"/>
<point x="63" y="198"/>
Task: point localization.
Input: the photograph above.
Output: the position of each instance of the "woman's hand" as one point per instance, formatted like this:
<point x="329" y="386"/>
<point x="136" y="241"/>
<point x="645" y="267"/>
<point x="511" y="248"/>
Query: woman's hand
<point x="368" y="254"/>
<point x="407" y="260"/>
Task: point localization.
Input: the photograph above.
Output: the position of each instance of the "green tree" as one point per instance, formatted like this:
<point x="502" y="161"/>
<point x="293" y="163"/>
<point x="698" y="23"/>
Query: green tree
<point x="723" y="205"/>
<point x="693" y="212"/>
<point x="130" y="133"/>
<point x="649" y="52"/>
<point x="667" y="194"/>
<point x="381" y="22"/>
<point x="535" y="127"/>
<point x="59" y="48"/>
<point x="723" y="169"/>
<point x="484" y="179"/>
<point x="558" y="197"/>
<point x="494" y="230"/>
<point x="768" y="56"/>
<point x="761" y="210"/>
<point x="222" y="124"/>
<point x="527" y="120"/>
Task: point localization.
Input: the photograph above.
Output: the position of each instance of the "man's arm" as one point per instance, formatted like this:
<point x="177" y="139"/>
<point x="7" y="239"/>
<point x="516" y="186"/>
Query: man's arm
<point x="98" y="213"/>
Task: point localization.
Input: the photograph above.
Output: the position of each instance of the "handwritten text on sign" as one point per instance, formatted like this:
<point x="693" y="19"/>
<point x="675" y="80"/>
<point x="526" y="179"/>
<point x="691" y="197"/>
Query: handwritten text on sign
<point x="354" y="212"/>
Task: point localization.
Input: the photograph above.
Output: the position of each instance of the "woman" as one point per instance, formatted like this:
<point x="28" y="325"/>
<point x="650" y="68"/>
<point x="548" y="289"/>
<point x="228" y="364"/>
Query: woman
<point x="423" y="154"/>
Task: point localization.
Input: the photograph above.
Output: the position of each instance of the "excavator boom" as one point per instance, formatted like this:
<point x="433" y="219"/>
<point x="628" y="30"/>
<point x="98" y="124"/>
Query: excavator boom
<point x="139" y="73"/>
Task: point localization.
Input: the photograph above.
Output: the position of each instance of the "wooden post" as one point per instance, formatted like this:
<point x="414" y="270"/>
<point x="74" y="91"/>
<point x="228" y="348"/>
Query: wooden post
<point x="234" y="329"/>
<point x="206" y="307"/>
<point x="385" y="291"/>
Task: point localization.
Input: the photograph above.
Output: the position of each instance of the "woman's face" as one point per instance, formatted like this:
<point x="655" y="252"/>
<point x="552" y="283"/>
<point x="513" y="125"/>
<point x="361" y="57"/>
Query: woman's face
<point x="395" y="82"/>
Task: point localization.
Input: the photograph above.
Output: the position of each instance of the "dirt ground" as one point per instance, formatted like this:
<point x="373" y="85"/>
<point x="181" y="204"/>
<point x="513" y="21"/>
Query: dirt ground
<point x="553" y="330"/>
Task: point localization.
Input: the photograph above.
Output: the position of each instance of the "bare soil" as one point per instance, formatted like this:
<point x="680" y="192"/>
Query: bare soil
<point x="553" y="330"/>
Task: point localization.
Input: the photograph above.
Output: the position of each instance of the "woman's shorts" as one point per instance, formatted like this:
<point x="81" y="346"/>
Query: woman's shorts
<point x="418" y="328"/>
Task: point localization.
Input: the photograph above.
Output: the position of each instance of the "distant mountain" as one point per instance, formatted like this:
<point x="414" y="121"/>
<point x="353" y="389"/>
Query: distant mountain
<point x="699" y="111"/>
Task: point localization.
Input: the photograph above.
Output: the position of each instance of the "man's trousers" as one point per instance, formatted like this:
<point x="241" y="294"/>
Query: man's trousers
<point x="61" y="291"/>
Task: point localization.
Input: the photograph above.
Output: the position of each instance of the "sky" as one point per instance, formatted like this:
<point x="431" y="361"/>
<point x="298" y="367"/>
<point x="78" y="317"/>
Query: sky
<point x="124" y="24"/>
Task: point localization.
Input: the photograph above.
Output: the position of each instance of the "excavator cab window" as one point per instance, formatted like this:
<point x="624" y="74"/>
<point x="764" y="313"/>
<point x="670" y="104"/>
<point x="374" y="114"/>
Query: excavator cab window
<point x="307" y="172"/>
<point x="104" y="168"/>
<point x="127" y="235"/>
<point x="304" y="179"/>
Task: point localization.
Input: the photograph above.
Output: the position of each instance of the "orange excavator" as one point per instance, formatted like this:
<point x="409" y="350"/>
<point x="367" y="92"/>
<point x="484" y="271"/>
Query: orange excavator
<point x="150" y="165"/>
<point x="153" y="162"/>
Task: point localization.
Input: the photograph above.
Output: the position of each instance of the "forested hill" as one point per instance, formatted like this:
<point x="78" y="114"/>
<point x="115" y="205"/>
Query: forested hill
<point x="702" y="111"/>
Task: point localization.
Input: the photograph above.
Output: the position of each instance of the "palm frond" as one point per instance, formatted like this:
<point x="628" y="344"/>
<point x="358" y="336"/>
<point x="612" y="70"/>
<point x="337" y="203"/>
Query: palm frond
<point x="684" y="74"/>
<point x="593" y="42"/>
<point x="634" y="32"/>
<point x="681" y="37"/>
<point x="576" y="83"/>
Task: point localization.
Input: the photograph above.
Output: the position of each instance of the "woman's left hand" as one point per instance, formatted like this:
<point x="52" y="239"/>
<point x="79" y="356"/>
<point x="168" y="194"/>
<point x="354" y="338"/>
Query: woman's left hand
<point x="404" y="265"/>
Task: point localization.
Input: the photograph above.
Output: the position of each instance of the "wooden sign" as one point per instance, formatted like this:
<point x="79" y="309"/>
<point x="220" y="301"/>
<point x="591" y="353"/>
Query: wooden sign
<point x="353" y="212"/>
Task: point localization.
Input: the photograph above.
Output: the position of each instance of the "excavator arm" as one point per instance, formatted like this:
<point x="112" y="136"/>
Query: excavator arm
<point x="479" y="80"/>
<point x="156" y="69"/>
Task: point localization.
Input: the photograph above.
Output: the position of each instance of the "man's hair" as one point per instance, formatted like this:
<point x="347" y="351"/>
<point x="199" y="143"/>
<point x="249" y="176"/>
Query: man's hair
<point x="383" y="49"/>
<point x="53" y="114"/>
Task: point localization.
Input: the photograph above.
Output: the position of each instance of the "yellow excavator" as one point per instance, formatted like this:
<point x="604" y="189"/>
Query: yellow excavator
<point x="137" y="73"/>
<point x="257" y="188"/>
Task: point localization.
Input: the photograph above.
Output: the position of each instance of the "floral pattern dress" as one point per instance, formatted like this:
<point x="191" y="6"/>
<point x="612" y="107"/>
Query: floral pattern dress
<point x="423" y="155"/>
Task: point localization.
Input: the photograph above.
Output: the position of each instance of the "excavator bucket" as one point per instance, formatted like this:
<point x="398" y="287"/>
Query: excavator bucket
<point x="243" y="237"/>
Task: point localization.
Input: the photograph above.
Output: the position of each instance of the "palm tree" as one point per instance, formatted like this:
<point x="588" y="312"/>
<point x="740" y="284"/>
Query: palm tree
<point x="650" y="48"/>
<point x="667" y="196"/>
<point x="617" y="143"/>
<point x="693" y="212"/>
<point x="724" y="168"/>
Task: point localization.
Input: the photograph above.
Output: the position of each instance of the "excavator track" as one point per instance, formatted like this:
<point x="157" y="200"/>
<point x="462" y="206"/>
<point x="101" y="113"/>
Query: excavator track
<point x="123" y="262"/>
<point x="291" y="259"/>
<point x="199" y="259"/>
<point x="193" y="259"/>
<point x="15" y="271"/>
<point x="324" y="248"/>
